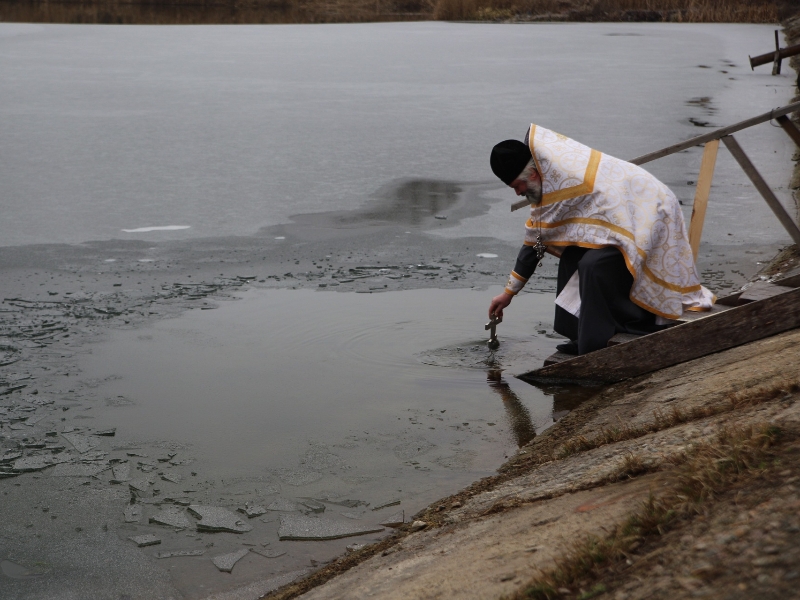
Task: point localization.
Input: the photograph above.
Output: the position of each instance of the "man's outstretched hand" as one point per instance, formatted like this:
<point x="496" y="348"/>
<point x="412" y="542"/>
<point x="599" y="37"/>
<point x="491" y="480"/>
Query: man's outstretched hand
<point x="498" y="304"/>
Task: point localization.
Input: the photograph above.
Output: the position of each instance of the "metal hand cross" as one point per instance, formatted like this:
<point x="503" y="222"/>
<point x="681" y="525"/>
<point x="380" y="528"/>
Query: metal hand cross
<point x="493" y="342"/>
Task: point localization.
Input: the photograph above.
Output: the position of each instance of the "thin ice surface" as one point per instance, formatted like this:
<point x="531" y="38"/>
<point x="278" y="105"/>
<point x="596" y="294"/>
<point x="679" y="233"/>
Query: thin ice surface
<point x="465" y="71"/>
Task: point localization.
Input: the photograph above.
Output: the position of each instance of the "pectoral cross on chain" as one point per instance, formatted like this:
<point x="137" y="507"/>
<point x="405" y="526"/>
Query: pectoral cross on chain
<point x="539" y="248"/>
<point x="493" y="342"/>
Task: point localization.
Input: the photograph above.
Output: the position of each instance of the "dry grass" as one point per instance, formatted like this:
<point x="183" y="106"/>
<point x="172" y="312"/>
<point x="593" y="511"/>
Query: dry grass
<point x="680" y="11"/>
<point x="701" y="474"/>
<point x="327" y="11"/>
<point x="661" y="420"/>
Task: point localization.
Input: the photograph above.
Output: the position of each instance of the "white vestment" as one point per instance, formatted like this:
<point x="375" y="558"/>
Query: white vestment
<point x="594" y="200"/>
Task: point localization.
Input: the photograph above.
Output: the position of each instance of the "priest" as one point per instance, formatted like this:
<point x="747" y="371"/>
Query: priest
<point x="625" y="262"/>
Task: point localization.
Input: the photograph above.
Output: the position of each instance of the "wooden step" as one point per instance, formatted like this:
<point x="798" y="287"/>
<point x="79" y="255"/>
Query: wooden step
<point x="716" y="330"/>
<point x="622" y="338"/>
<point x="558" y="357"/>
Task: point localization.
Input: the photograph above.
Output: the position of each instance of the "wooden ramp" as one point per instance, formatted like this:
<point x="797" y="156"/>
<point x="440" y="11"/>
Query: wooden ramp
<point x="762" y="310"/>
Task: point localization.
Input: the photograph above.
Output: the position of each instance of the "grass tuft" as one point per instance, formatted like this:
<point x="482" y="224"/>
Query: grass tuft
<point x="675" y="416"/>
<point x="701" y="473"/>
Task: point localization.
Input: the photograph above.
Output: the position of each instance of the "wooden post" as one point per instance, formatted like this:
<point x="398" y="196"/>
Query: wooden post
<point x="789" y="128"/>
<point x="701" y="194"/>
<point x="764" y="189"/>
<point x="776" y="65"/>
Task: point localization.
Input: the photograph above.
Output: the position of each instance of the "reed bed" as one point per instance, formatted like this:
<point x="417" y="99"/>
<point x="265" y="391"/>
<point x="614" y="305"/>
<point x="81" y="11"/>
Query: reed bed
<point x="679" y="11"/>
<point x="341" y="11"/>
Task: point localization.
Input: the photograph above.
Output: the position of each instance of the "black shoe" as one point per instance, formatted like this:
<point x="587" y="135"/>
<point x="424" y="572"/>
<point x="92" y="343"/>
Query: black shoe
<point x="570" y="347"/>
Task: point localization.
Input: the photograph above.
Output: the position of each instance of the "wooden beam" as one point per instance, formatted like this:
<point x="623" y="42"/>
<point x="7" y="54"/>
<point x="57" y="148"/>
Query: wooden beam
<point x="776" y="65"/>
<point x="762" y="59"/>
<point x="716" y="134"/>
<point x="788" y="223"/>
<point x="701" y="195"/>
<point x="681" y="343"/>
<point x="789" y="128"/>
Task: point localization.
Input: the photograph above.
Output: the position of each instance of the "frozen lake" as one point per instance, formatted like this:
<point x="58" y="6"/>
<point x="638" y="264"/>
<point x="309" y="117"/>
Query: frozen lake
<point x="224" y="130"/>
<point x="184" y="134"/>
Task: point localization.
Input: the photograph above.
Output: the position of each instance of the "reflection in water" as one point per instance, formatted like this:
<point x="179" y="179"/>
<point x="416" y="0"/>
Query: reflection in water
<point x="408" y="202"/>
<point x="567" y="398"/>
<point x="518" y="415"/>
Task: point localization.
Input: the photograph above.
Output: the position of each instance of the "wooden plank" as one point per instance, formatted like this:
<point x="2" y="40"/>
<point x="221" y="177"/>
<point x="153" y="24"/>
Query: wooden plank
<point x="788" y="223"/>
<point x="789" y="128"/>
<point x="761" y="290"/>
<point x="716" y="134"/>
<point x="701" y="195"/>
<point x="556" y="358"/>
<point x="719" y="331"/>
<point x="622" y="338"/>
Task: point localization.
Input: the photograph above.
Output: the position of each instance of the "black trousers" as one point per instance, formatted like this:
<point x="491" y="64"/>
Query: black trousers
<point x="606" y="307"/>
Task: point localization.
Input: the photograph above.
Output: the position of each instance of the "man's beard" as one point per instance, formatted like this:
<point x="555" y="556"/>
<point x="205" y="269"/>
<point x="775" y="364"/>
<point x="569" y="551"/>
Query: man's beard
<point x="534" y="193"/>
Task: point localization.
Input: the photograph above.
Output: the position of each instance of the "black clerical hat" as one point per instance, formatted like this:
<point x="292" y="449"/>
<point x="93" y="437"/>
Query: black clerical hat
<point x="508" y="160"/>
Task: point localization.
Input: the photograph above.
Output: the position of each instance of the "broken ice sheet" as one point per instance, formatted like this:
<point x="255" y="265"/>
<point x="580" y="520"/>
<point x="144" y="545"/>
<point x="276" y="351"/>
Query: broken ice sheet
<point x="78" y="470"/>
<point x="133" y="512"/>
<point x="297" y="527"/>
<point x="174" y="553"/>
<point x="225" y="562"/>
<point x="145" y="540"/>
<point x="313" y="506"/>
<point x="142" y="484"/>
<point x="252" y="510"/>
<point x="353" y="515"/>
<point x="81" y="443"/>
<point x="215" y="518"/>
<point x="171" y="477"/>
<point x="10" y="455"/>
<point x="121" y="473"/>
<point x="283" y="504"/>
<point x="32" y="463"/>
<point x="386" y="503"/>
<point x="396" y="520"/>
<point x="171" y="516"/>
<point x="268" y="552"/>
<point x="343" y="501"/>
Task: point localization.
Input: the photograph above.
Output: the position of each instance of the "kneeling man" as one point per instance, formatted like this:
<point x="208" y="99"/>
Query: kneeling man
<point x="625" y="261"/>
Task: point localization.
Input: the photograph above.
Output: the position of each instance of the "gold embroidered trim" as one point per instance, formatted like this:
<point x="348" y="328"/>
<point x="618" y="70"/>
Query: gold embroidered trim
<point x="587" y="187"/>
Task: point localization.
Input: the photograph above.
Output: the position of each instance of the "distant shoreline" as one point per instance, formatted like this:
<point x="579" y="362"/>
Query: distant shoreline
<point x="208" y="12"/>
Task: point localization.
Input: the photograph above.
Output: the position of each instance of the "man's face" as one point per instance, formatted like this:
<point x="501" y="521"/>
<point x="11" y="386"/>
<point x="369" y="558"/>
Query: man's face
<point x="521" y="185"/>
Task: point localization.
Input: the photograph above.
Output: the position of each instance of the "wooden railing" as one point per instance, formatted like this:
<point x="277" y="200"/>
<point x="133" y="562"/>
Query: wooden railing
<point x="711" y="142"/>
